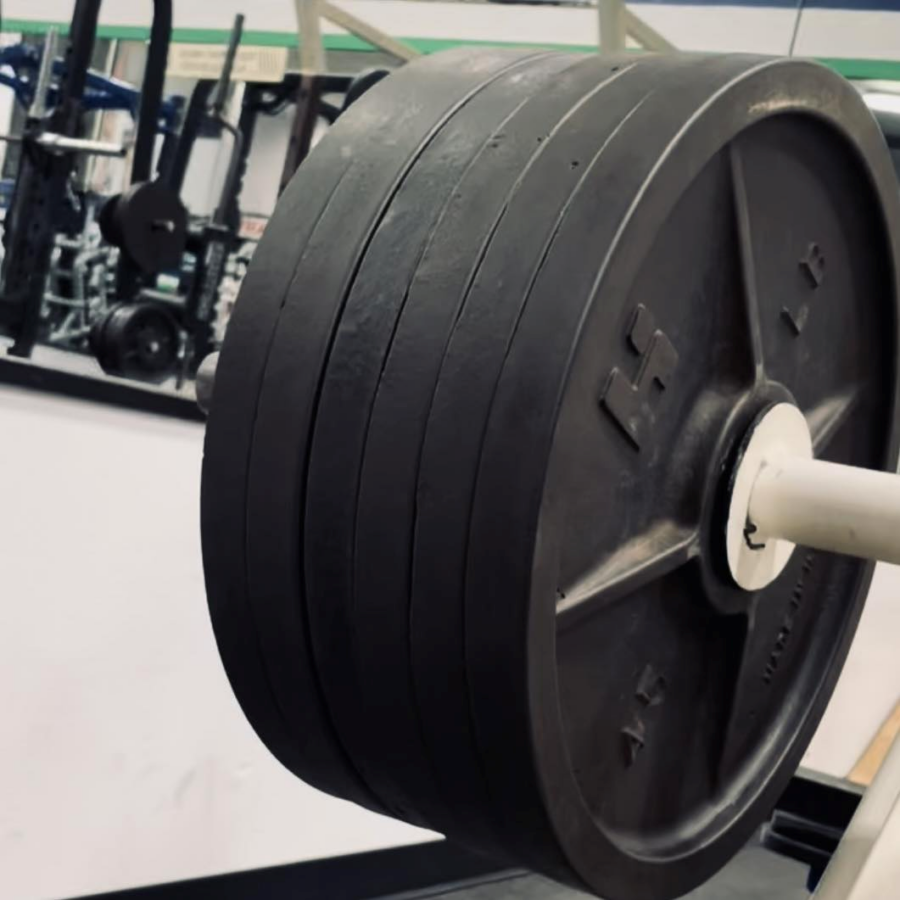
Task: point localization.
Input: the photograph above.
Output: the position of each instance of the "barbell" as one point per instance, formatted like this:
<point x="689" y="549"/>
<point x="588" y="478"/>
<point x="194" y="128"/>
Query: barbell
<point x="545" y="366"/>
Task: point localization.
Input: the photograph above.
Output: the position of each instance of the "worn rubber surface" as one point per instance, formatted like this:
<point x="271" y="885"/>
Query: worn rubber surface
<point x="596" y="780"/>
<point x="260" y="624"/>
<point x="639" y="147"/>
<point x="359" y="626"/>
<point x="484" y="325"/>
<point x="388" y="488"/>
<point x="285" y="414"/>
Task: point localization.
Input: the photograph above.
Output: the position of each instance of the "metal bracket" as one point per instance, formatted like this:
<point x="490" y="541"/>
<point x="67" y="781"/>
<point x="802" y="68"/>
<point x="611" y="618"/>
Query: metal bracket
<point x="617" y="23"/>
<point x="367" y="32"/>
<point x="312" y="52"/>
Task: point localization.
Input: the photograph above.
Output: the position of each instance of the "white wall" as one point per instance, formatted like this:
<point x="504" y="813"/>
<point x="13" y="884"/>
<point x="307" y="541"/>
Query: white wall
<point x="747" y="26"/>
<point x="124" y="758"/>
<point x="266" y="162"/>
<point x="870" y="684"/>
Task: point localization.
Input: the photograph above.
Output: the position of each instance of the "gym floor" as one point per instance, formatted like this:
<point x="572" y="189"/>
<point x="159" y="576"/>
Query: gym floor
<point x="440" y="869"/>
<point x="754" y="874"/>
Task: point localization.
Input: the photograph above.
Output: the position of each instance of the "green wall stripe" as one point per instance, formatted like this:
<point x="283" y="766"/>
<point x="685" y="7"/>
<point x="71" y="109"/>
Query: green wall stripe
<point x="259" y="38"/>
<point x="849" y="68"/>
<point x="881" y="69"/>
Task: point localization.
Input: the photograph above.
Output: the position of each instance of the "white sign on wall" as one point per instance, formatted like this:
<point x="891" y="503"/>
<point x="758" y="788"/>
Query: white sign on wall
<point x="206" y="60"/>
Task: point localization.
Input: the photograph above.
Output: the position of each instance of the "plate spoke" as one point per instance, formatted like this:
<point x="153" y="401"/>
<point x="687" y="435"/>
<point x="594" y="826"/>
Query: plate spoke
<point x="658" y="552"/>
<point x="828" y="417"/>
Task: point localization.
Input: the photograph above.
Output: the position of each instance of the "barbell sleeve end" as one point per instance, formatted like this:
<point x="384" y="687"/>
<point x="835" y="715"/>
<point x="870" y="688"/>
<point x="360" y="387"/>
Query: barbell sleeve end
<point x="827" y="506"/>
<point x="205" y="381"/>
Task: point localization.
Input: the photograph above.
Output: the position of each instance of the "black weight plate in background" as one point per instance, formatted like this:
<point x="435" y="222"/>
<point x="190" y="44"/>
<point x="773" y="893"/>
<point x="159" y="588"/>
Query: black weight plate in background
<point x="617" y="684"/>
<point x="293" y="723"/>
<point x="285" y="412"/>
<point x="487" y="317"/>
<point x="359" y="630"/>
<point x="150" y="223"/>
<point x="143" y="339"/>
<point x="101" y="347"/>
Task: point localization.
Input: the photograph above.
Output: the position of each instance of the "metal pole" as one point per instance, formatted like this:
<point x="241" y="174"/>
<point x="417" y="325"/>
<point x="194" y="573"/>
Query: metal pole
<point x="866" y="865"/>
<point x="220" y="98"/>
<point x="152" y="91"/>
<point x="612" y="25"/>
<point x="58" y="143"/>
<point x="39" y="108"/>
<point x="306" y="114"/>
<point x="312" y="51"/>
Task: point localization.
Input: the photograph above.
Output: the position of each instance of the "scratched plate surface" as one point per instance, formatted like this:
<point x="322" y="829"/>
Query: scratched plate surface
<point x="701" y="238"/>
<point x="629" y="700"/>
<point x="359" y="625"/>
<point x="459" y="312"/>
<point x="254" y="467"/>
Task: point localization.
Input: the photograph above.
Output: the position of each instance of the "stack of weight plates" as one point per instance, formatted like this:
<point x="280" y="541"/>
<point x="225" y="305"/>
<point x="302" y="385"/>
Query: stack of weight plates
<point x="471" y="438"/>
